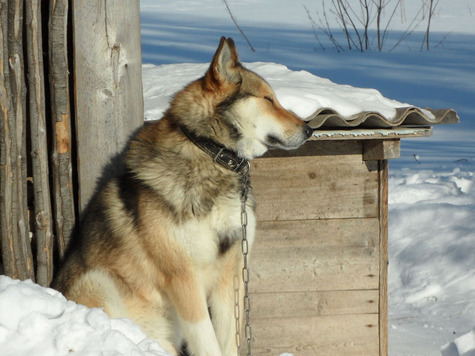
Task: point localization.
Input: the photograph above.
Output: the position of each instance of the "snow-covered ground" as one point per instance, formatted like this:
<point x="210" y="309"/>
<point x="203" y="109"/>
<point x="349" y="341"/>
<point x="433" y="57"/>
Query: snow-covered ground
<point x="36" y="321"/>
<point x="431" y="260"/>
<point x="432" y="185"/>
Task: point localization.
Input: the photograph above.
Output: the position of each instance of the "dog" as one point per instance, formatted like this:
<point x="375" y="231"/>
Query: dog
<point x="161" y="243"/>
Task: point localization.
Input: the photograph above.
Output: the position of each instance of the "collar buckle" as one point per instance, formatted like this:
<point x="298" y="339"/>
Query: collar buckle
<point x="218" y="155"/>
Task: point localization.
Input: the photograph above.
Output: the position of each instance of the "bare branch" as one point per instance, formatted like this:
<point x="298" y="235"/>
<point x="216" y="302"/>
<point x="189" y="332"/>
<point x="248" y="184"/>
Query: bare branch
<point x="345" y="10"/>
<point x="325" y="28"/>
<point x="237" y="26"/>
<point x="432" y="7"/>
<point x="314" y="28"/>
<point x="385" y="32"/>
<point x="411" y="28"/>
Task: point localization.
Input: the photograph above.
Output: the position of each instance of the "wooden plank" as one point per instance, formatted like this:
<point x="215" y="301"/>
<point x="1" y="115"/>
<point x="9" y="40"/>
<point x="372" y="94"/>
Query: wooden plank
<point x="317" y="303"/>
<point x="322" y="335"/>
<point x="298" y="188"/>
<point x="325" y="234"/>
<point x="383" y="258"/>
<point x="374" y="150"/>
<point x="339" y="254"/>
<point x="108" y="84"/>
<point x="315" y="147"/>
<point x="372" y="134"/>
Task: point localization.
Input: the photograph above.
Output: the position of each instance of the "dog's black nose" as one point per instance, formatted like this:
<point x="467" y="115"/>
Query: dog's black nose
<point x="308" y="131"/>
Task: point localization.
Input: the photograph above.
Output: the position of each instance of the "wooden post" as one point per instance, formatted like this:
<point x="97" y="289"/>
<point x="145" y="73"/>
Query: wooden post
<point x="39" y="146"/>
<point x="374" y="150"/>
<point x="61" y="155"/>
<point x="108" y="85"/>
<point x="383" y="257"/>
<point x="16" y="249"/>
<point x="10" y="251"/>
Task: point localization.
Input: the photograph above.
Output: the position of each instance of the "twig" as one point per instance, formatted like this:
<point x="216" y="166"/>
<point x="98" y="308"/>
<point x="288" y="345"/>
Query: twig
<point x="432" y="8"/>
<point x="239" y="28"/>
<point x="328" y="31"/>
<point x="341" y="17"/>
<point x="385" y="32"/>
<point x="408" y="31"/>
<point x="365" y="6"/>
<point x="314" y="28"/>
<point x="345" y="10"/>
<point x="441" y="42"/>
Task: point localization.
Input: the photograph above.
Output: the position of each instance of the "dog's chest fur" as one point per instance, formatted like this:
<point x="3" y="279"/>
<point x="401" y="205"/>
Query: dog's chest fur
<point x="209" y="237"/>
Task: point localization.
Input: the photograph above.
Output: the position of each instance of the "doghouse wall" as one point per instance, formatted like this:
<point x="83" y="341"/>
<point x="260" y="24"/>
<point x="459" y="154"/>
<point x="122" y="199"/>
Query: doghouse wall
<point x="315" y="265"/>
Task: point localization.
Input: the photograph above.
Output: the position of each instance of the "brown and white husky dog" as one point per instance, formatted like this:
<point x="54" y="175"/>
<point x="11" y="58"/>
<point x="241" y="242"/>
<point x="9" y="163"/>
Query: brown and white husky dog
<point x="160" y="244"/>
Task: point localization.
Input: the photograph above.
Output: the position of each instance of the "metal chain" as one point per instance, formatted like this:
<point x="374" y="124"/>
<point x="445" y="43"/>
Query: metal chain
<point x="245" y="269"/>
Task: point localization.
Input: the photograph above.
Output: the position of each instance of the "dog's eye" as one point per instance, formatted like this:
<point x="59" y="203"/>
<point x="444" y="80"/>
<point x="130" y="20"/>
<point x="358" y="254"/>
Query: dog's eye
<point x="269" y="99"/>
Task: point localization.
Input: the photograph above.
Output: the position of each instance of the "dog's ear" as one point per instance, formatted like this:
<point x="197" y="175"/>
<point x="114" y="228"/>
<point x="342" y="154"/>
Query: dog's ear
<point x="225" y="65"/>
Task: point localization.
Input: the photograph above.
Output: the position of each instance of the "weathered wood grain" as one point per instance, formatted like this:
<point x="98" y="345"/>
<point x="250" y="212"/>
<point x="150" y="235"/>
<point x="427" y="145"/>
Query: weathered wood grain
<point x="315" y="255"/>
<point x="314" y="147"/>
<point x="374" y="150"/>
<point x="17" y="68"/>
<point x="315" y="336"/>
<point x="316" y="263"/>
<point x="9" y="240"/>
<point x="39" y="146"/>
<point x="16" y="249"/>
<point x="314" y="187"/>
<point x="316" y="303"/>
<point x="372" y="134"/>
<point x="108" y="84"/>
<point x="383" y="258"/>
<point x="61" y="124"/>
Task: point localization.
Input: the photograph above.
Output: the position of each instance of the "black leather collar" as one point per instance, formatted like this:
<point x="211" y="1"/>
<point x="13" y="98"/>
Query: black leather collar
<point x="219" y="153"/>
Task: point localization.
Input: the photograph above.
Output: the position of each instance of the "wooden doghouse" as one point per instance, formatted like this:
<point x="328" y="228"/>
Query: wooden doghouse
<point x="319" y="265"/>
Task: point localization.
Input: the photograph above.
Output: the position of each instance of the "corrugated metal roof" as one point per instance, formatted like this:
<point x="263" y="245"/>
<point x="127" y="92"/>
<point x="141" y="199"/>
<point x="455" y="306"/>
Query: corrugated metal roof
<point x="327" y="118"/>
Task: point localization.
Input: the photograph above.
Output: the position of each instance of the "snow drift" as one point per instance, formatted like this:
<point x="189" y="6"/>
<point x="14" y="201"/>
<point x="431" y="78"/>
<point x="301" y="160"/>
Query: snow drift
<point x="40" y="321"/>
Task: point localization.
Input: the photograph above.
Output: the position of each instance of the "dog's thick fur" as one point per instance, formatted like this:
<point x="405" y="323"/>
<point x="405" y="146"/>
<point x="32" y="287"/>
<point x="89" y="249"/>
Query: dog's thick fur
<point x="161" y="243"/>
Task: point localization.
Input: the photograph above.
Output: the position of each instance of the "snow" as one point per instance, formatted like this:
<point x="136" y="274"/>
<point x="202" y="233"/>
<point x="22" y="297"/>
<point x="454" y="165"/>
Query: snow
<point x="450" y="16"/>
<point x="40" y="321"/>
<point x="463" y="345"/>
<point x="431" y="273"/>
<point x="298" y="91"/>
<point x="431" y="199"/>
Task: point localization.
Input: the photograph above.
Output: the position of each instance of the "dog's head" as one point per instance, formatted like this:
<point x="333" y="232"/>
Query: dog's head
<point x="242" y="110"/>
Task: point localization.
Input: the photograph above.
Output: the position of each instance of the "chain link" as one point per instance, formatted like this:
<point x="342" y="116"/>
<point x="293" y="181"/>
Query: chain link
<point x="245" y="269"/>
